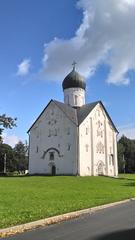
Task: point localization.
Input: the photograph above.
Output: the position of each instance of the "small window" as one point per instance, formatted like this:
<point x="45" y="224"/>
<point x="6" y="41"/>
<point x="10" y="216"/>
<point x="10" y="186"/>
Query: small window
<point x="76" y="99"/>
<point x="51" y="155"/>
<point x="37" y="149"/>
<point x="87" y="130"/>
<point x="69" y="147"/>
<point x="55" y="132"/>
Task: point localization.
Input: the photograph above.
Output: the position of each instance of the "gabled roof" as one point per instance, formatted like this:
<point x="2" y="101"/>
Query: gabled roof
<point x="78" y="115"/>
<point x="68" y="110"/>
<point x="83" y="112"/>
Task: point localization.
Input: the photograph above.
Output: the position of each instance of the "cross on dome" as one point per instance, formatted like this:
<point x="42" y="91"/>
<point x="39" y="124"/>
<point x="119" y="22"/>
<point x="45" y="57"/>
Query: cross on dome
<point x="73" y="64"/>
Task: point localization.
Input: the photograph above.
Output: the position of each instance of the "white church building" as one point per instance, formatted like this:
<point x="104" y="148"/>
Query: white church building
<point x="73" y="138"/>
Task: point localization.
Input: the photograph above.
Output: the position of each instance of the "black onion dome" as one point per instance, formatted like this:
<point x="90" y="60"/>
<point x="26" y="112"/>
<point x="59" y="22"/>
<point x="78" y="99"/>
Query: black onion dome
<point x="74" y="80"/>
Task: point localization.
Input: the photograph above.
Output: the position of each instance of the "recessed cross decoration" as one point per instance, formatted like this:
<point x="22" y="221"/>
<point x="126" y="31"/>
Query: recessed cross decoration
<point x="73" y="64"/>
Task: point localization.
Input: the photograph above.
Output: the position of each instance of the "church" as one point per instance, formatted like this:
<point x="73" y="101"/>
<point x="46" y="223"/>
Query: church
<point x="74" y="137"/>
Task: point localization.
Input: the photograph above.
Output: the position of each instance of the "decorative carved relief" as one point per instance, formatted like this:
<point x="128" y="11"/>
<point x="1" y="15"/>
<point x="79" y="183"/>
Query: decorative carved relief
<point x="99" y="129"/>
<point x="100" y="147"/>
<point x="51" y="149"/>
<point x="53" y="132"/>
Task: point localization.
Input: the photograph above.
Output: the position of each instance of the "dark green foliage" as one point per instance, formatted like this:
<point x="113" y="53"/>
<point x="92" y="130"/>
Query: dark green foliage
<point x="6" y="149"/>
<point x="20" y="154"/>
<point x="16" y="158"/>
<point x="126" y="155"/>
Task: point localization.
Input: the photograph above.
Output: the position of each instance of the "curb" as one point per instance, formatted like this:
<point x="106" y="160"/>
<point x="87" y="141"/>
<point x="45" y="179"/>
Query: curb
<point x="56" y="219"/>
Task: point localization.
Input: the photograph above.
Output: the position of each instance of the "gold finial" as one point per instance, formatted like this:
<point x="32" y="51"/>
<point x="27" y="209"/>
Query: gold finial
<point x="73" y="64"/>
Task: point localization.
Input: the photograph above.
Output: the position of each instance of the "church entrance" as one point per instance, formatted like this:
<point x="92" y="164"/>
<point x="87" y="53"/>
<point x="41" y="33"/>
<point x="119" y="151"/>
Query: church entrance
<point x="100" y="169"/>
<point x="53" y="170"/>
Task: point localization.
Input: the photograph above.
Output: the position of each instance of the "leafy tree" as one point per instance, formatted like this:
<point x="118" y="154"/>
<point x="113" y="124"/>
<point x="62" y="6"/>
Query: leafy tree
<point x="126" y="154"/>
<point x="20" y="153"/>
<point x="121" y="160"/>
<point x="6" y="122"/>
<point x="10" y="161"/>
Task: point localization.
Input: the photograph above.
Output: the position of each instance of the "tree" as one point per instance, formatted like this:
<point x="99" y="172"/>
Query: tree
<point x="121" y="160"/>
<point x="20" y="153"/>
<point x="6" y="122"/>
<point x="126" y="152"/>
<point x="10" y="161"/>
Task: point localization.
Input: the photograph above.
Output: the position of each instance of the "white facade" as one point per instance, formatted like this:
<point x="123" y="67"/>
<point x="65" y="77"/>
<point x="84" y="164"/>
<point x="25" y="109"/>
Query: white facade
<point x="50" y="147"/>
<point x="60" y="146"/>
<point x="97" y="145"/>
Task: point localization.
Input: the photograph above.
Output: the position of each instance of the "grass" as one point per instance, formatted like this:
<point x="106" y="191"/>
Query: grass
<point x="25" y="199"/>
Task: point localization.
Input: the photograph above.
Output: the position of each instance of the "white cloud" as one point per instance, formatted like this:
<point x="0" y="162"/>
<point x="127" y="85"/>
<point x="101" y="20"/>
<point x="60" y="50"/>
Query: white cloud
<point x="106" y="35"/>
<point x="127" y="130"/>
<point x="24" y="67"/>
<point x="12" y="140"/>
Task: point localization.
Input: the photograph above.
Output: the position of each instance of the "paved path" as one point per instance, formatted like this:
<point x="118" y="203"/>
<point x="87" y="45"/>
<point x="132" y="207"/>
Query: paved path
<point x="115" y="223"/>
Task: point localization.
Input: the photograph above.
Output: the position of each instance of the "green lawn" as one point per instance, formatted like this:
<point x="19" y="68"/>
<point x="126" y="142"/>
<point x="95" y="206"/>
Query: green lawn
<point x="24" y="199"/>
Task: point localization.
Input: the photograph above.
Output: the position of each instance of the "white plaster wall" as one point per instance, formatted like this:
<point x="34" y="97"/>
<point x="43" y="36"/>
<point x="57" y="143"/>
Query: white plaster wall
<point x="42" y="135"/>
<point x="101" y="141"/>
<point x="71" y="93"/>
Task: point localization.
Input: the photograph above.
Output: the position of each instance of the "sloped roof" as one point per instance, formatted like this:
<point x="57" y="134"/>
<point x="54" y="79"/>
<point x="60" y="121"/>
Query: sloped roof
<point x="68" y="110"/>
<point x="83" y="112"/>
<point x="78" y="115"/>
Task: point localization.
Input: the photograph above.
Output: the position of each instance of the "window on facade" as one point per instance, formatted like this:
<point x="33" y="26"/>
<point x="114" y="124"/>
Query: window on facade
<point x="51" y="155"/>
<point x="55" y="132"/>
<point x="37" y="149"/>
<point x="76" y="99"/>
<point x="87" y="130"/>
<point x="69" y="147"/>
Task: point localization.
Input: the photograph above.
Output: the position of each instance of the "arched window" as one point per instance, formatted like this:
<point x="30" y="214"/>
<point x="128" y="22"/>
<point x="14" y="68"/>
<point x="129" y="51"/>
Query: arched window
<point x="55" y="132"/>
<point x="76" y="99"/>
<point x="68" y="147"/>
<point x="51" y="155"/>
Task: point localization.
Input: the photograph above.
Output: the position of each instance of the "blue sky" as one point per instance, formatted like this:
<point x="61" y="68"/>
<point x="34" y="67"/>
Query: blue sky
<point x="40" y="39"/>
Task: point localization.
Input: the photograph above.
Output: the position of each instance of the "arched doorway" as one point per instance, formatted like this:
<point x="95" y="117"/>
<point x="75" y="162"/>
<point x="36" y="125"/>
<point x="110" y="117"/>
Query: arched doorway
<point x="53" y="170"/>
<point x="100" y="168"/>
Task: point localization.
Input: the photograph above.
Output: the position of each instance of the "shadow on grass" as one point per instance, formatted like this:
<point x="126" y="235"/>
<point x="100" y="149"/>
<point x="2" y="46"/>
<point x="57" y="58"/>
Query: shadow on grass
<point x="119" y="235"/>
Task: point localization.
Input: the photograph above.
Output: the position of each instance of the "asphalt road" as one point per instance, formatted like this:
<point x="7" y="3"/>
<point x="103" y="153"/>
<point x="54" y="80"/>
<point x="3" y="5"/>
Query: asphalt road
<point x="115" y="223"/>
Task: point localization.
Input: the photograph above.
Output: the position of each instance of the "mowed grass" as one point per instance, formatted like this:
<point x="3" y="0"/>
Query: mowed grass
<point x="25" y="199"/>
